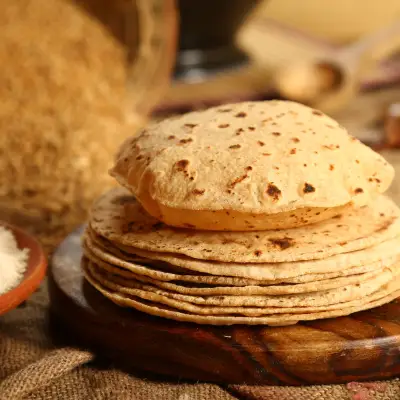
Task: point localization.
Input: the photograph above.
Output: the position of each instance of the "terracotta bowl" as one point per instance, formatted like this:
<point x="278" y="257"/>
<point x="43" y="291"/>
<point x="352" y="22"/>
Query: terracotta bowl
<point x="33" y="276"/>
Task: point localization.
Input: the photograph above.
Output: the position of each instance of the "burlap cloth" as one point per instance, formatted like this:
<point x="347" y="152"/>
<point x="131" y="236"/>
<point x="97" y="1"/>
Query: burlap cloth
<point x="34" y="365"/>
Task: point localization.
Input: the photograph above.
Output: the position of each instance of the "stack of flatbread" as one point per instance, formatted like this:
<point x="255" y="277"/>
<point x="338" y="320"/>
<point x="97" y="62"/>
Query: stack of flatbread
<point x="249" y="213"/>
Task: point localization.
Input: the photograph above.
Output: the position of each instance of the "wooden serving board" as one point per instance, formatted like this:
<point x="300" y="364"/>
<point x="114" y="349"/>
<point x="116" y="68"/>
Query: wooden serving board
<point x="363" y="346"/>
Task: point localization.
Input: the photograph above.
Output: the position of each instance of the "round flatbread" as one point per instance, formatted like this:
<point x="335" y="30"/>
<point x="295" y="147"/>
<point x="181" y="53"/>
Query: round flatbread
<point x="123" y="266"/>
<point x="199" y="288"/>
<point x="379" y="255"/>
<point x="230" y="167"/>
<point x="349" y="292"/>
<point x="386" y="294"/>
<point x="118" y="217"/>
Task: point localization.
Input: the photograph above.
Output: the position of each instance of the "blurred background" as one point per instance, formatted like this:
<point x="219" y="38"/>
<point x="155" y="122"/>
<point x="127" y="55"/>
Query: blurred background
<point x="79" y="76"/>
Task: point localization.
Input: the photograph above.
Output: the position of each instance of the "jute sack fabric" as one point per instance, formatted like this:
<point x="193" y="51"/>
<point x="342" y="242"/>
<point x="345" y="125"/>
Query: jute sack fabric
<point x="34" y="367"/>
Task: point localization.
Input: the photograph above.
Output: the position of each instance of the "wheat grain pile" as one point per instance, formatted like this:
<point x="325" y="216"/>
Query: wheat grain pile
<point x="62" y="87"/>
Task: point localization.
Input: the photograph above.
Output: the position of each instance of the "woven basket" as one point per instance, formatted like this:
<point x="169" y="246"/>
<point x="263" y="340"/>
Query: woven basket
<point x="77" y="77"/>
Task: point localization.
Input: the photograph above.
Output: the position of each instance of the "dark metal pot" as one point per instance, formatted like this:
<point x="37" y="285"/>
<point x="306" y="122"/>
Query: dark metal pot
<point x="207" y="36"/>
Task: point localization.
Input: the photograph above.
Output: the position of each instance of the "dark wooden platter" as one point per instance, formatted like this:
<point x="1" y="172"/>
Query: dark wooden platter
<point x="363" y="346"/>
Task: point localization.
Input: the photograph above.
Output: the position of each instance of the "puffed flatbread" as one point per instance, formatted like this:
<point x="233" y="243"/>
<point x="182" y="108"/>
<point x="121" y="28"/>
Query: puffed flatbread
<point x="239" y="166"/>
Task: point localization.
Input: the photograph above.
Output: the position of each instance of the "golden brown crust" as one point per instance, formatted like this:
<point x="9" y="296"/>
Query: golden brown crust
<point x="121" y="219"/>
<point x="231" y="170"/>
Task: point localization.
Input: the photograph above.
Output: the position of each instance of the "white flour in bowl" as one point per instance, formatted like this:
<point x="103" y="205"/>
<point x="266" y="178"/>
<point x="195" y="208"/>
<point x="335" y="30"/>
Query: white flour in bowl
<point x="13" y="261"/>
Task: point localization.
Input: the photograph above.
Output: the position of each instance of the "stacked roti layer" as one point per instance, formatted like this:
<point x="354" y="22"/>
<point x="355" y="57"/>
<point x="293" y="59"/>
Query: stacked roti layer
<point x="331" y="268"/>
<point x="303" y="233"/>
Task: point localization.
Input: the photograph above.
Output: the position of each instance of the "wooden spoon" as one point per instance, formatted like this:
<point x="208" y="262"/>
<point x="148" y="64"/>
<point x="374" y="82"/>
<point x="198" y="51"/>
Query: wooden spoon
<point x="330" y="81"/>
